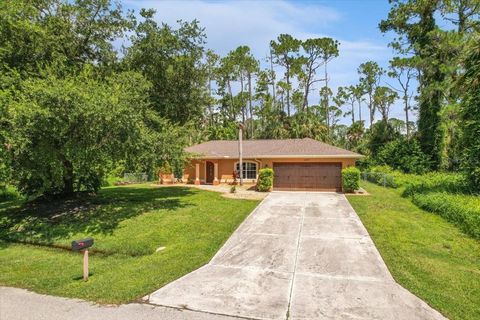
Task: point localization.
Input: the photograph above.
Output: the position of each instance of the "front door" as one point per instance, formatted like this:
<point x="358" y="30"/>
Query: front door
<point x="210" y="172"/>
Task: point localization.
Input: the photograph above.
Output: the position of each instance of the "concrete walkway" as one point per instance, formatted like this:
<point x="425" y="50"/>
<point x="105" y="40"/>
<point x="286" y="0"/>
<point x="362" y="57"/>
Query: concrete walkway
<point x="299" y="255"/>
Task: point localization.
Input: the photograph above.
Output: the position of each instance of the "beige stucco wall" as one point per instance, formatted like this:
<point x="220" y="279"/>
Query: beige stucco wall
<point x="227" y="166"/>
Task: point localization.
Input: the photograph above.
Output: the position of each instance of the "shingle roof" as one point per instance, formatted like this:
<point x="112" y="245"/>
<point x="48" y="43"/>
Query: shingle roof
<point x="270" y="149"/>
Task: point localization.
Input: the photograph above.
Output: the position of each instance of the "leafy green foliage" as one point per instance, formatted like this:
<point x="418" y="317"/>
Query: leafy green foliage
<point x="170" y="58"/>
<point x="38" y="33"/>
<point x="453" y="183"/>
<point x="350" y="179"/>
<point x="379" y="134"/>
<point x="265" y="180"/>
<point x="370" y="73"/>
<point x="404" y="155"/>
<point x="433" y="35"/>
<point x="66" y="134"/>
<point x="462" y="210"/>
<point x="471" y="116"/>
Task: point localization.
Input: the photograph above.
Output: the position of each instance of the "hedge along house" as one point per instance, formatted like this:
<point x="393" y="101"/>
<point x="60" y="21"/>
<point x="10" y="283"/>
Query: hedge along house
<point x="298" y="164"/>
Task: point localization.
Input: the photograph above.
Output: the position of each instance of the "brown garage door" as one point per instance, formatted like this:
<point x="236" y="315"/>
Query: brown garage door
<point x="307" y="176"/>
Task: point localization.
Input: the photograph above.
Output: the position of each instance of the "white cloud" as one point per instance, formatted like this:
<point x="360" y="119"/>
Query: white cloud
<point x="234" y="23"/>
<point x="230" y="24"/>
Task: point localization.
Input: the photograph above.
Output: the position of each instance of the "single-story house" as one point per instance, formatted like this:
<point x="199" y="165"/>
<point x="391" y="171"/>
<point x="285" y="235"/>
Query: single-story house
<point x="298" y="164"/>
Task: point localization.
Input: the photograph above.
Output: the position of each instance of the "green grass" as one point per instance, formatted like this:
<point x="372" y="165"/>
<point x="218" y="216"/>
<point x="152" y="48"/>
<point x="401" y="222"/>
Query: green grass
<point x="426" y="254"/>
<point x="128" y="225"/>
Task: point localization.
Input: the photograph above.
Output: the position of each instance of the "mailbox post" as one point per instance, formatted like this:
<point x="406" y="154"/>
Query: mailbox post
<point x="83" y="245"/>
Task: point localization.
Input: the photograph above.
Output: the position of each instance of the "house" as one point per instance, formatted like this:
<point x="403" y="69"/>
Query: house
<point x="298" y="164"/>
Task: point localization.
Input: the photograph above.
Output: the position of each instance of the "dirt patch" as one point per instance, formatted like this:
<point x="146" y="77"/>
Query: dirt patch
<point x="359" y="192"/>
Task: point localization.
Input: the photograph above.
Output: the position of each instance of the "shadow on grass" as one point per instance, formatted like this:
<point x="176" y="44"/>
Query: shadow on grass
<point x="49" y="221"/>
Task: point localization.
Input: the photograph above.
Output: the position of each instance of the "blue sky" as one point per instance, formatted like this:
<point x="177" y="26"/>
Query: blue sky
<point x="254" y="23"/>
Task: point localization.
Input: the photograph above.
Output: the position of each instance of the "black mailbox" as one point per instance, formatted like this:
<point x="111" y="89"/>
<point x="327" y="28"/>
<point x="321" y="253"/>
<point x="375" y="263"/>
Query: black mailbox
<point x="78" y="245"/>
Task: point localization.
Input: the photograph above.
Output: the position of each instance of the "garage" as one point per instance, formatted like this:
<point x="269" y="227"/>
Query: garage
<point x="307" y="176"/>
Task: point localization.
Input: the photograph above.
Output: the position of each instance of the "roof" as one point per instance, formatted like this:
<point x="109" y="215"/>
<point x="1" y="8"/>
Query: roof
<point x="284" y="148"/>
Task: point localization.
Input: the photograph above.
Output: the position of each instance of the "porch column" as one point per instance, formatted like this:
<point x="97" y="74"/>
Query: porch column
<point x="215" y="173"/>
<point x="197" y="173"/>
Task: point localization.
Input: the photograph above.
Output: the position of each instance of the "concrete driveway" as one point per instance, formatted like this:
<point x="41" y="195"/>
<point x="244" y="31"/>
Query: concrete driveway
<point x="299" y="255"/>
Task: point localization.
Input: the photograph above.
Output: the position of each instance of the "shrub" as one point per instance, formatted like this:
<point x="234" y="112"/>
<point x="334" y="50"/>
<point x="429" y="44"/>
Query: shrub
<point x="350" y="179"/>
<point x="265" y="180"/>
<point x="437" y="182"/>
<point x="8" y="193"/>
<point x="365" y="163"/>
<point x="461" y="210"/>
<point x="404" y="155"/>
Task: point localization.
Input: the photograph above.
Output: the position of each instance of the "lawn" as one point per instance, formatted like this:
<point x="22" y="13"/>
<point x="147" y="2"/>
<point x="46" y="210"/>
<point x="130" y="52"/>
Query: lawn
<point x="426" y="254"/>
<point x="128" y="225"/>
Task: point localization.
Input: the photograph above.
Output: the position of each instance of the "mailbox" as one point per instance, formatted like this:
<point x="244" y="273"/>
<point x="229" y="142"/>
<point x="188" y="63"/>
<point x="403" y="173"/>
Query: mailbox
<point x="79" y="245"/>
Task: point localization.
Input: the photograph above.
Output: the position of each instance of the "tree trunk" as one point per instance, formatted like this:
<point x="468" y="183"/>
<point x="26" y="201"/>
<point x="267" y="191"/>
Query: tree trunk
<point x="307" y="91"/>
<point x="359" y="111"/>
<point x="250" y="103"/>
<point x="232" y="107"/>
<point x="405" y="97"/>
<point x="241" y="95"/>
<point x="273" y="76"/>
<point x="68" y="177"/>
<point x="327" y="113"/>
<point x="288" y="90"/>
<point x="211" y="105"/>
<point x="353" y="112"/>
<point x="371" y="109"/>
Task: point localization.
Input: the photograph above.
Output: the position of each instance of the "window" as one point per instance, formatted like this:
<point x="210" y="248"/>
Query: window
<point x="249" y="170"/>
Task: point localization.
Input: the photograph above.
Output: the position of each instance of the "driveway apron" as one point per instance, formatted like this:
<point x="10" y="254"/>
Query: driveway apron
<point x="299" y="255"/>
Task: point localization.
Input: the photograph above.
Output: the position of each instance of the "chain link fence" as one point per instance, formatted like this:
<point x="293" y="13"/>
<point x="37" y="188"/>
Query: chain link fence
<point x="135" y="177"/>
<point x="382" y="179"/>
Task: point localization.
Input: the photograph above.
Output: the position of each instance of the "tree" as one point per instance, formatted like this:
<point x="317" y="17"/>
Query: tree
<point x="171" y="60"/>
<point x="355" y="134"/>
<point x="285" y="52"/>
<point x="348" y="94"/>
<point x="370" y="73"/>
<point x="404" y="154"/>
<point x="470" y="85"/>
<point x="65" y="134"/>
<point x="403" y="70"/>
<point x="226" y="75"/>
<point x="379" y="134"/>
<point x="419" y="35"/>
<point x="358" y="91"/>
<point x="383" y="98"/>
<point x="37" y="33"/>
<point x="317" y="52"/>
<point x="325" y="94"/>
<point x="245" y="66"/>
<point x="211" y="66"/>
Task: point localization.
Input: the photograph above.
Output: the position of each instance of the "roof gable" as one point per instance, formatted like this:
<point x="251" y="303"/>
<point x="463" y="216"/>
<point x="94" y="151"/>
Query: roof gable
<point x="270" y="149"/>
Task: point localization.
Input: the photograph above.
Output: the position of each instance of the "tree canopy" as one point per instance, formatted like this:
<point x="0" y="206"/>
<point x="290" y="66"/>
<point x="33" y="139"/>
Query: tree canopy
<point x="75" y="107"/>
